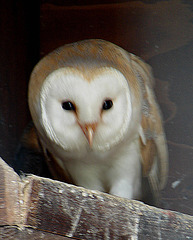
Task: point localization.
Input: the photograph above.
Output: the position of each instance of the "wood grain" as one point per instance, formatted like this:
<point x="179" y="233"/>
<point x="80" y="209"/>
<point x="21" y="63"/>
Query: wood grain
<point x="49" y="208"/>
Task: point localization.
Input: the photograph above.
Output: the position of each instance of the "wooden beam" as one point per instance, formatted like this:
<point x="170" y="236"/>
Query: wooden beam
<point x="53" y="208"/>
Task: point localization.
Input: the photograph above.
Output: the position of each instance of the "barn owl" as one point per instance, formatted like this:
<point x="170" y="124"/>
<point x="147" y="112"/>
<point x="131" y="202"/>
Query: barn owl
<point x="96" y="120"/>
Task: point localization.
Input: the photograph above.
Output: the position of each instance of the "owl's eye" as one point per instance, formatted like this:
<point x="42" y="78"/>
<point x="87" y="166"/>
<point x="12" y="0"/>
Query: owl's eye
<point x="68" y="106"/>
<point x="107" y="104"/>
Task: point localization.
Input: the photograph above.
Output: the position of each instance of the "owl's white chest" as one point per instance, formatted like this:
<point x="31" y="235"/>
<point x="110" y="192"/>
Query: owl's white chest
<point x="117" y="171"/>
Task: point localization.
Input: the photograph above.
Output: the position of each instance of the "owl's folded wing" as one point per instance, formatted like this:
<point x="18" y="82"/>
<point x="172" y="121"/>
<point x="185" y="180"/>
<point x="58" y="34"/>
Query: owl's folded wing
<point x="29" y="158"/>
<point x="32" y="158"/>
<point x="154" y="151"/>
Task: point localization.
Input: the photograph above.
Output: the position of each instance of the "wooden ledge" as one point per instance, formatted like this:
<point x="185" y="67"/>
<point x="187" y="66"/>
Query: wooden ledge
<point x="40" y="208"/>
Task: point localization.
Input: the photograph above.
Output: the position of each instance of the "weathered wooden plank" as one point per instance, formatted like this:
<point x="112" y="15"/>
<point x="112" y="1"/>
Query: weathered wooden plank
<point x="16" y="233"/>
<point x="9" y="195"/>
<point x="65" y="210"/>
<point x="85" y="214"/>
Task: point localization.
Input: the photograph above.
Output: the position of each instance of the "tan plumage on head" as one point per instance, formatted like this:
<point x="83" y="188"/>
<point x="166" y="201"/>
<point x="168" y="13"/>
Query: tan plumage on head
<point x="97" y="120"/>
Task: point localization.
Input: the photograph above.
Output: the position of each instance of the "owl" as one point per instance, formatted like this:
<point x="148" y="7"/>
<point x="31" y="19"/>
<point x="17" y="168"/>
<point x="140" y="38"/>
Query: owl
<point x="96" y="122"/>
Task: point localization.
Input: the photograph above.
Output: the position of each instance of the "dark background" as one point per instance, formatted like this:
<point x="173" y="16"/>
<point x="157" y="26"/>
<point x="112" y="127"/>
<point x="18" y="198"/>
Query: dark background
<point x="161" y="32"/>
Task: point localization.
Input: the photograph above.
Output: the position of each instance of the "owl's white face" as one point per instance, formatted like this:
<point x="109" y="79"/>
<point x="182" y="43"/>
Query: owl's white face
<point x="80" y="112"/>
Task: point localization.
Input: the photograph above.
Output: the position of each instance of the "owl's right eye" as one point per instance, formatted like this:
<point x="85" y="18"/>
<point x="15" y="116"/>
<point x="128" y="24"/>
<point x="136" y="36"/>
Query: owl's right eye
<point x="69" y="106"/>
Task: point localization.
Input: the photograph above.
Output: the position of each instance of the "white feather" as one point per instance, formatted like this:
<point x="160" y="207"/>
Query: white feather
<point x="69" y="84"/>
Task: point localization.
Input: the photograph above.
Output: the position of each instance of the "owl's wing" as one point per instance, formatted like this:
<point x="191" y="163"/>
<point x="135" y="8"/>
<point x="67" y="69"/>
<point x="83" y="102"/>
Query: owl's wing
<point x="29" y="157"/>
<point x="57" y="172"/>
<point x="33" y="158"/>
<point x="154" y="151"/>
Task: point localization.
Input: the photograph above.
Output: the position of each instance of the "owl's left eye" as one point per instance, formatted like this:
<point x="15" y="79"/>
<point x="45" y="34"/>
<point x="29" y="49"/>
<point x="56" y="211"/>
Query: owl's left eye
<point x="107" y="104"/>
<point x="67" y="105"/>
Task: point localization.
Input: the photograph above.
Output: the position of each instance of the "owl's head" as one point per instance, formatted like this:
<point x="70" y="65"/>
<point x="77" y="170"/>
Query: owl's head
<point x="85" y="94"/>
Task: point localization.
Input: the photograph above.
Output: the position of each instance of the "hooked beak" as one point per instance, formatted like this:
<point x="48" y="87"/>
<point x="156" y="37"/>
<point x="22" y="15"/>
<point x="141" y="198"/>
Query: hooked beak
<point x="89" y="131"/>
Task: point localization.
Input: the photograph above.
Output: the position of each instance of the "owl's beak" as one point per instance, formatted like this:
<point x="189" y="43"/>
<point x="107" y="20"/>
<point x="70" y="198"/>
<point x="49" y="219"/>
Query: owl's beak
<point x="89" y="130"/>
